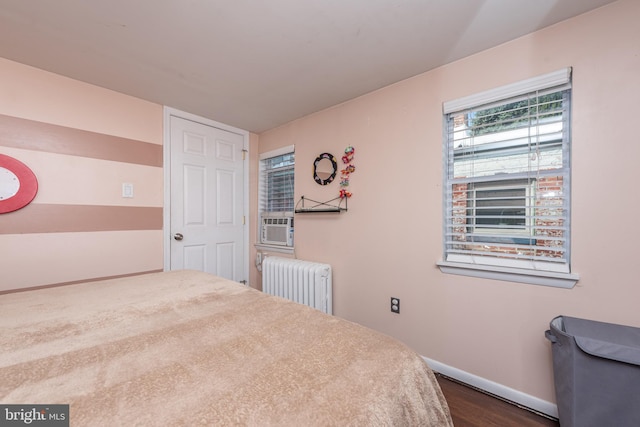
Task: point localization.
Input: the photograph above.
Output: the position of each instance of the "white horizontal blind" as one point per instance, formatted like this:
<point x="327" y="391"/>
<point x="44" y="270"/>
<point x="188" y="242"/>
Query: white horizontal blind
<point x="276" y="192"/>
<point x="507" y="176"/>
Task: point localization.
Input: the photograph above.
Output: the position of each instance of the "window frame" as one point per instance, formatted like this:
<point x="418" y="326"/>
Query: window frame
<point x="263" y="202"/>
<point x="492" y="265"/>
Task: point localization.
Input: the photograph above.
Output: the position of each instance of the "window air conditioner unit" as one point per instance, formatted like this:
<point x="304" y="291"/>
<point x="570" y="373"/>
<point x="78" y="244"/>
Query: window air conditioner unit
<point x="276" y="229"/>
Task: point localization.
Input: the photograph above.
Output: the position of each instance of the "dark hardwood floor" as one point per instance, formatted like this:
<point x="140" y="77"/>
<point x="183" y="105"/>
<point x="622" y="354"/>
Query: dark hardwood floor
<point x="472" y="408"/>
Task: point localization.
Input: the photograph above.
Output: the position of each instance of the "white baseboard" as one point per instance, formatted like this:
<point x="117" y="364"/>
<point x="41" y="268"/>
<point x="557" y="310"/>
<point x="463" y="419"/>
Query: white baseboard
<point x="500" y="390"/>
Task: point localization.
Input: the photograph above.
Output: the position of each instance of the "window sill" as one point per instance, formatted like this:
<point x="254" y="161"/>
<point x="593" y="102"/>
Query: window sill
<point x="531" y="277"/>
<point x="274" y="248"/>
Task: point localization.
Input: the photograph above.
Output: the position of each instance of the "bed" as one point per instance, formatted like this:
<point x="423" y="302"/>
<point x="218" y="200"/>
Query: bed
<point x="190" y="348"/>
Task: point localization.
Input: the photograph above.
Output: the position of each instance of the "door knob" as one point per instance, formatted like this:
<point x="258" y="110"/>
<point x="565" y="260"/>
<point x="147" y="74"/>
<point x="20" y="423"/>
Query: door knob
<point x="178" y="236"/>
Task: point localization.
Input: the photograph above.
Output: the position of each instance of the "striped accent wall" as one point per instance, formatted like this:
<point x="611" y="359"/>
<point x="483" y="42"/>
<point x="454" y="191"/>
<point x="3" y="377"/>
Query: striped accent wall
<point x="33" y="135"/>
<point x="79" y="227"/>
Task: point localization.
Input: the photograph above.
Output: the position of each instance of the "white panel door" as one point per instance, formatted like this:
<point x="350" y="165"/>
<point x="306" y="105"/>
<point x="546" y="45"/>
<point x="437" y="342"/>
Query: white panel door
<point x="207" y="199"/>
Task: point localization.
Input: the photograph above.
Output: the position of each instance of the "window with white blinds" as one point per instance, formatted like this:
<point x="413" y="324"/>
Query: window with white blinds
<point x="507" y="177"/>
<point x="276" y="182"/>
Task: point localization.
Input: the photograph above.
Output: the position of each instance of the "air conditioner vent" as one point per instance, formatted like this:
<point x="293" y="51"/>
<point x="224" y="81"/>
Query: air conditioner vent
<point x="277" y="229"/>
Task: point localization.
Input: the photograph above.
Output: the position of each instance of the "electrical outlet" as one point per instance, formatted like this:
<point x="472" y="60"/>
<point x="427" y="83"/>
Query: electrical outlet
<point x="395" y="305"/>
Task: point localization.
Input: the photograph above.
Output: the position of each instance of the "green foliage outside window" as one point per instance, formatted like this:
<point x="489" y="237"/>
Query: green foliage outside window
<point x="513" y="115"/>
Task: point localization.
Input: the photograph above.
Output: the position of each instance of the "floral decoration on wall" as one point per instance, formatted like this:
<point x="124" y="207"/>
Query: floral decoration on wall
<point x="347" y="159"/>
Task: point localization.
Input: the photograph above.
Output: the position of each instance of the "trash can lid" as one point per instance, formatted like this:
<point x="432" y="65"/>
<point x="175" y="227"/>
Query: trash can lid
<point x="607" y="340"/>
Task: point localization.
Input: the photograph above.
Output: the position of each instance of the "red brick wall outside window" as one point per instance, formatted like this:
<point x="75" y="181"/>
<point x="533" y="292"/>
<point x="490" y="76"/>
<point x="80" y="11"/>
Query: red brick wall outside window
<point x="548" y="223"/>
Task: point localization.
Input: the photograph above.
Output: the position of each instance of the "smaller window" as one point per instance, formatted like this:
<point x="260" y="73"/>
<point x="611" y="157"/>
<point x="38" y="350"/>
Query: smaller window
<point x="276" y="182"/>
<point x="276" y="198"/>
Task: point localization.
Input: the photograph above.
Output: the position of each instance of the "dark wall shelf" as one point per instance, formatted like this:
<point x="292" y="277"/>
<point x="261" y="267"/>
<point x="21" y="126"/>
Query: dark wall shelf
<point x="313" y="206"/>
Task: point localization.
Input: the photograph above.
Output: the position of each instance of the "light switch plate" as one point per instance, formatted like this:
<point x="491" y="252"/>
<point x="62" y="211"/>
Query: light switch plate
<point x="127" y="190"/>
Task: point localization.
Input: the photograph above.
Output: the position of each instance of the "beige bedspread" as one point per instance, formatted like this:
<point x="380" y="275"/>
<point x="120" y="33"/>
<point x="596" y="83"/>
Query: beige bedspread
<point x="188" y="348"/>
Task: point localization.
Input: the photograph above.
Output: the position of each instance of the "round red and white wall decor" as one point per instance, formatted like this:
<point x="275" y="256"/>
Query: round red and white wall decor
<point x="18" y="184"/>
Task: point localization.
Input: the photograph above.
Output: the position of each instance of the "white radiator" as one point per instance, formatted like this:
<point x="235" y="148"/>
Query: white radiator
<point x="305" y="282"/>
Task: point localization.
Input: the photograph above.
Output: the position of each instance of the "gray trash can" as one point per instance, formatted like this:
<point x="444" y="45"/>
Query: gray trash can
<point x="596" y="369"/>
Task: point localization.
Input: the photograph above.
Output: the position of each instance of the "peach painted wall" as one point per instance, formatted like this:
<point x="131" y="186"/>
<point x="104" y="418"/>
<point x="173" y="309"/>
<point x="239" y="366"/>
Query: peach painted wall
<point x="389" y="241"/>
<point x="254" y="278"/>
<point x="71" y="181"/>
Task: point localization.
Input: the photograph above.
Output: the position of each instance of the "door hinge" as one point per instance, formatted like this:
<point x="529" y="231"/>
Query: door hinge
<point x="244" y="154"/>
<point x="244" y="220"/>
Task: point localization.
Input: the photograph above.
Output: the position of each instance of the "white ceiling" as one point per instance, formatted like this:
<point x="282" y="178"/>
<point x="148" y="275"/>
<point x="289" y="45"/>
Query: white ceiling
<point x="256" y="64"/>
